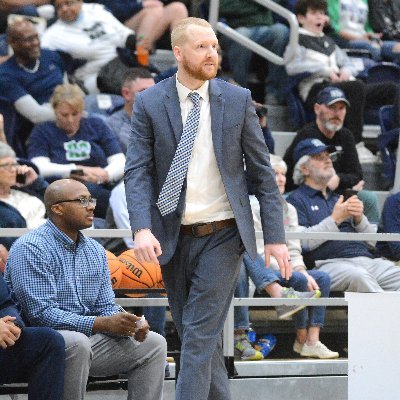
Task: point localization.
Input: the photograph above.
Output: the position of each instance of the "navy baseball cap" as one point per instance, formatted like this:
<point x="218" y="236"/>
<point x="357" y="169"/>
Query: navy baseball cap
<point x="308" y="147"/>
<point x="331" y="95"/>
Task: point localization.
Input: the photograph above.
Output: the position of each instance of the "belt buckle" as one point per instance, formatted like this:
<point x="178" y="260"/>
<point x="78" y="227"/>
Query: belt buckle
<point x="213" y="225"/>
<point x="194" y="229"/>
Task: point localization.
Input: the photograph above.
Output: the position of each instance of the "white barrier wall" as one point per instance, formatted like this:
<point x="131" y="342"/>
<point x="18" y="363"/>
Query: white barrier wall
<point x="374" y="346"/>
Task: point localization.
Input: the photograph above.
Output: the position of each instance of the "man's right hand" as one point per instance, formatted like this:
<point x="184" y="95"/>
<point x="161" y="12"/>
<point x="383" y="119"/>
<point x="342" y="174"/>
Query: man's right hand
<point x="122" y="323"/>
<point x="9" y="333"/>
<point x="340" y="212"/>
<point x="147" y="247"/>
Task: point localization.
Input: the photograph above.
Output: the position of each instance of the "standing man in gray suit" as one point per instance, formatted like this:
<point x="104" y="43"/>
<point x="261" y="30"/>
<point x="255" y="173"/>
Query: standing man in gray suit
<point x="188" y="202"/>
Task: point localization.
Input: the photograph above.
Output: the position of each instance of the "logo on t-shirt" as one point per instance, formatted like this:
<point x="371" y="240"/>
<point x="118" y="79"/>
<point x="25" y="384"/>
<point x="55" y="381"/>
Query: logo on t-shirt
<point x="77" y="151"/>
<point x="95" y="31"/>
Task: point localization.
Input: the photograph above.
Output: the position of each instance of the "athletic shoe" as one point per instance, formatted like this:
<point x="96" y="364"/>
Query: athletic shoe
<point x="244" y="349"/>
<point x="297" y="347"/>
<point x="318" y="350"/>
<point x="289" y="293"/>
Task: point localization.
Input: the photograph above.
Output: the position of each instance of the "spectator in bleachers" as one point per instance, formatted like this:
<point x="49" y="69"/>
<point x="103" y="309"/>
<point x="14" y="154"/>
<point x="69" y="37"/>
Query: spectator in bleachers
<point x="349" y="20"/>
<point x="61" y="279"/>
<point x="150" y="19"/>
<point x="327" y="65"/>
<point x="330" y="108"/>
<point x="390" y="223"/>
<point x="134" y="81"/>
<point x="29" y="77"/>
<point x="34" y="8"/>
<point x="255" y="22"/>
<point x="29" y="354"/>
<point x="351" y="265"/>
<point x="87" y="32"/>
<point x="81" y="148"/>
<point x="18" y="209"/>
<point x="384" y="17"/>
<point x="308" y="322"/>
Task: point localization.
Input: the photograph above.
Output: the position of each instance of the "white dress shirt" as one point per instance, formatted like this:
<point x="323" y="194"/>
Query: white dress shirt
<point x="206" y="199"/>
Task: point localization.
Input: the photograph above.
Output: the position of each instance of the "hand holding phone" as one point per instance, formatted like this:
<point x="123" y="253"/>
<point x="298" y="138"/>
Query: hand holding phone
<point x="77" y="172"/>
<point x="348" y="193"/>
<point x="21" y="179"/>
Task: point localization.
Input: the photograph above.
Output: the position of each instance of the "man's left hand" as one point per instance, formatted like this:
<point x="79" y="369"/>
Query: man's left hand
<point x="281" y="254"/>
<point x="141" y="333"/>
<point x="355" y="208"/>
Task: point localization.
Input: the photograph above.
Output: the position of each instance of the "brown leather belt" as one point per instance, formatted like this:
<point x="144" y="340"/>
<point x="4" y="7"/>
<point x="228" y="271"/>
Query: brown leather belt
<point x="207" y="228"/>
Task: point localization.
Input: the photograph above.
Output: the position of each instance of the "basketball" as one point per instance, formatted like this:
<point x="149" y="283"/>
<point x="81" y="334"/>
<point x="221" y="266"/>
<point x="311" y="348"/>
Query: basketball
<point x="139" y="275"/>
<point x="115" y="267"/>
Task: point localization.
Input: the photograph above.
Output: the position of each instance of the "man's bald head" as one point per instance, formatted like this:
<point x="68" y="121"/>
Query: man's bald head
<point x="15" y="29"/>
<point x="23" y="37"/>
<point x="69" y="206"/>
<point x="60" y="190"/>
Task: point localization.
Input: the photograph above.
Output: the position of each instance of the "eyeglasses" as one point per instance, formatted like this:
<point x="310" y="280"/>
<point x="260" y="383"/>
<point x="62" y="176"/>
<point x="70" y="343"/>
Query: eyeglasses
<point x="85" y="201"/>
<point x="9" y="167"/>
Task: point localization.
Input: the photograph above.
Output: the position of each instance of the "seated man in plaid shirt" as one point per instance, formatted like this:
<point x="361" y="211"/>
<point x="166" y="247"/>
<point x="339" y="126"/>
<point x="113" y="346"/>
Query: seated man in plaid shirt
<point x="62" y="281"/>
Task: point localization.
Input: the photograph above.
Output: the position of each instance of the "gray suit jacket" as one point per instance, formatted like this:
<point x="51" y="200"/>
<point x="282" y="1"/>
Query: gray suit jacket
<point x="238" y="141"/>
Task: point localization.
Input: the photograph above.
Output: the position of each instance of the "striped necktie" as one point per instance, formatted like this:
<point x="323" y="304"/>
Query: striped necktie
<point x="169" y="196"/>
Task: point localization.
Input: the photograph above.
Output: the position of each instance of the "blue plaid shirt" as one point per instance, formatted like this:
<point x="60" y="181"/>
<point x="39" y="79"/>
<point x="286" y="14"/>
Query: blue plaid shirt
<point x="58" y="282"/>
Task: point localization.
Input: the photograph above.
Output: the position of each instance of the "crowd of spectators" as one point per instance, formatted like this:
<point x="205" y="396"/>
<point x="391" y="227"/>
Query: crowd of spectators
<point x="46" y="78"/>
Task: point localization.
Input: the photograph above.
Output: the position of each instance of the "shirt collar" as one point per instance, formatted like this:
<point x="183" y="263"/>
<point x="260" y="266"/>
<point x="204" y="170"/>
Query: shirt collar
<point x="62" y="237"/>
<point x="183" y="91"/>
<point x="310" y="192"/>
<point x="303" y="31"/>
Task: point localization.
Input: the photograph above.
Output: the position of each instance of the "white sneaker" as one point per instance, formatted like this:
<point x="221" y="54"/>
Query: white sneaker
<point x="365" y="155"/>
<point x="297" y="347"/>
<point x="318" y="350"/>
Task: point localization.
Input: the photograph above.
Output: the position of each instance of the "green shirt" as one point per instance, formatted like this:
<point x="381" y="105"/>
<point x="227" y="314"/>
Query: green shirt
<point x="244" y="13"/>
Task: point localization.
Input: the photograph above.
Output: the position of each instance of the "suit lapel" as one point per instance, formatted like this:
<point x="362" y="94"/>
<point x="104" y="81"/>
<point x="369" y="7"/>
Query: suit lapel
<point x="173" y="108"/>
<point x="217" y="105"/>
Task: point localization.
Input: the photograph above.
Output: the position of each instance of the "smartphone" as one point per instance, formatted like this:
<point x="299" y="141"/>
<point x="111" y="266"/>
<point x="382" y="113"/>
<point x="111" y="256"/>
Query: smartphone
<point x="348" y="193"/>
<point x="77" y="172"/>
<point x="21" y="178"/>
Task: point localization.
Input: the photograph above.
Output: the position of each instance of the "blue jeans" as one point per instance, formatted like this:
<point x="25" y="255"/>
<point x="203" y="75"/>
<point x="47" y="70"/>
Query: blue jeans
<point x="378" y="53"/>
<point x="155" y="316"/>
<point x="262" y="277"/>
<point x="275" y="39"/>
<point x="38" y="358"/>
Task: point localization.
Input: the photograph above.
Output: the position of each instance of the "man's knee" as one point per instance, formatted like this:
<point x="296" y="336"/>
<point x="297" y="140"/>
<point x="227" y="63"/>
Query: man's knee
<point x="77" y="346"/>
<point x="158" y="343"/>
<point x="281" y="33"/>
<point x="360" y="280"/>
<point x="54" y="341"/>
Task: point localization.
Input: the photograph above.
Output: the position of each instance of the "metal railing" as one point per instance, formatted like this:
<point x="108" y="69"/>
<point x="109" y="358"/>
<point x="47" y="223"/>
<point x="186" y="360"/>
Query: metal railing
<point x="264" y="302"/>
<point x="223" y="28"/>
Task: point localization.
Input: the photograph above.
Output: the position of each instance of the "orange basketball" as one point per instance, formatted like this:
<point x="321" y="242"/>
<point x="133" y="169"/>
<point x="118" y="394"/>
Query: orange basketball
<point x="115" y="267"/>
<point x="139" y="275"/>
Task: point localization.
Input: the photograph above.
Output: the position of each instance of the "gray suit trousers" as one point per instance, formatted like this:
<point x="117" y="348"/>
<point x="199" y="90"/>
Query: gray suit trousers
<point x="200" y="281"/>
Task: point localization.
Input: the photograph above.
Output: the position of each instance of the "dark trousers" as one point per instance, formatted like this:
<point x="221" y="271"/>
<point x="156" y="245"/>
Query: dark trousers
<point x="200" y="281"/>
<point x="38" y="357"/>
<point x="363" y="98"/>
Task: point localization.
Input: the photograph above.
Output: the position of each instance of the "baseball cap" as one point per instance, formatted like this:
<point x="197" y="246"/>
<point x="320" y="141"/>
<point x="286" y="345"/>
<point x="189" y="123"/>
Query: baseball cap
<point x="308" y="147"/>
<point x="331" y="95"/>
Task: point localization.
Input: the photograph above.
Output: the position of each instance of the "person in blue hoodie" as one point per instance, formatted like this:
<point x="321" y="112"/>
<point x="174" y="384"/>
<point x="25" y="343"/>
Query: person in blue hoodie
<point x="29" y="354"/>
